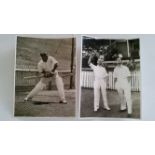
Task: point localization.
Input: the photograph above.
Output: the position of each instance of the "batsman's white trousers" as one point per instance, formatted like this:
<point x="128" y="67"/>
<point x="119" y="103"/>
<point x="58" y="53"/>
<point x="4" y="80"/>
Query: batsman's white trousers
<point x="124" y="91"/>
<point x="100" y="87"/>
<point x="42" y="85"/>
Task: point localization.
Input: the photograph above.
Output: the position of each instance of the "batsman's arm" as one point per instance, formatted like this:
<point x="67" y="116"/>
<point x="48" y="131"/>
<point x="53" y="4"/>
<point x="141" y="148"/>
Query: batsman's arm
<point x="41" y="70"/>
<point x="89" y="60"/>
<point x="50" y="74"/>
<point x="44" y="73"/>
<point x="55" y="67"/>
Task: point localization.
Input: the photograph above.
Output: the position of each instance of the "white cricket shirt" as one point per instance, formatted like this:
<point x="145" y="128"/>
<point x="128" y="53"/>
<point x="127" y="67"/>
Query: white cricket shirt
<point x="99" y="72"/>
<point x="122" y="73"/>
<point x="47" y="66"/>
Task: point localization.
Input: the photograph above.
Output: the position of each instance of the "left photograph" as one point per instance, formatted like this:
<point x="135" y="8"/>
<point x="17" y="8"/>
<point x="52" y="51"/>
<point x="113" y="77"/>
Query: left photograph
<point x="45" y="77"/>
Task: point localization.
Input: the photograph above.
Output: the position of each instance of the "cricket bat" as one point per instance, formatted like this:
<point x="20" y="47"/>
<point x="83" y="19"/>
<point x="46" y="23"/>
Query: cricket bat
<point x="40" y="76"/>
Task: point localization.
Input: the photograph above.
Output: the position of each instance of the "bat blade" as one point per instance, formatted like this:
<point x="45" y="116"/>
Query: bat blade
<point x="33" y="77"/>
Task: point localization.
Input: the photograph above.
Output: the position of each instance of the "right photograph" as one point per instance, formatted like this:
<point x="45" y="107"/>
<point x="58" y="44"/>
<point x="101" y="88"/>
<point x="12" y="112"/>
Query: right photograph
<point x="110" y="78"/>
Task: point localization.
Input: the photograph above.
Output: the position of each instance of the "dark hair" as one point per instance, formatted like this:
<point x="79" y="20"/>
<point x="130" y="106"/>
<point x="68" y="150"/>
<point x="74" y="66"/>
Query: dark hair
<point x="43" y="54"/>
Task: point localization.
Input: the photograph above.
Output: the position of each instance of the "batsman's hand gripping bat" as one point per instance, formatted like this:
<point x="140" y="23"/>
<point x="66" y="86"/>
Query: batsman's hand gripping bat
<point x="45" y="74"/>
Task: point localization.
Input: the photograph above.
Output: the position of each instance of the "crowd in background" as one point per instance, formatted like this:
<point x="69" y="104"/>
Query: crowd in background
<point x="109" y="55"/>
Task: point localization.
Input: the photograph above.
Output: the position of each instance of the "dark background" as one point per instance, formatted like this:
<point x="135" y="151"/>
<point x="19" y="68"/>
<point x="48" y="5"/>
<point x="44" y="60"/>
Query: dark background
<point x="109" y="48"/>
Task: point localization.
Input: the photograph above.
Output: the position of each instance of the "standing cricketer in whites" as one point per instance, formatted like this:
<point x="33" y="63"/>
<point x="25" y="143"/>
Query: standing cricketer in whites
<point x="47" y="68"/>
<point x="122" y="77"/>
<point x="100" y="75"/>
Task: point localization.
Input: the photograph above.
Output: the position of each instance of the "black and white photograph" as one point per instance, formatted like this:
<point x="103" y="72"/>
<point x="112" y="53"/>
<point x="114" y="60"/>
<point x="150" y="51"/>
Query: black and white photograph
<point x="45" y="77"/>
<point x="110" y="78"/>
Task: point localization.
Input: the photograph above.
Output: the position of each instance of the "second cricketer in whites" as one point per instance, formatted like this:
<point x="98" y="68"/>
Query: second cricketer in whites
<point x="47" y="67"/>
<point x="122" y="77"/>
<point x="100" y="75"/>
